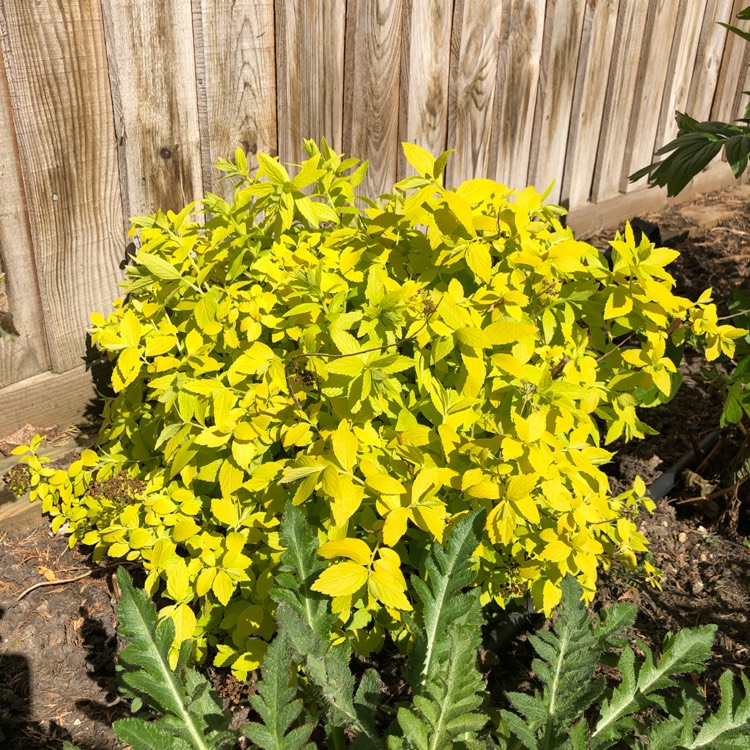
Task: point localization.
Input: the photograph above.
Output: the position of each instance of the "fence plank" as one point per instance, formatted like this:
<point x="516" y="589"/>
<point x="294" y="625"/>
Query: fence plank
<point x="471" y="99"/>
<point x="152" y="73"/>
<point x="731" y="72"/>
<point x="588" y="100"/>
<point x="562" y="37"/>
<point x="25" y="354"/>
<point x="371" y="88"/>
<point x="236" y="74"/>
<point x="681" y="66"/>
<point x="708" y="58"/>
<point x="425" y="66"/>
<point x="60" y="95"/>
<point x="652" y="81"/>
<point x="517" y="78"/>
<point x="621" y="94"/>
<point x="310" y="74"/>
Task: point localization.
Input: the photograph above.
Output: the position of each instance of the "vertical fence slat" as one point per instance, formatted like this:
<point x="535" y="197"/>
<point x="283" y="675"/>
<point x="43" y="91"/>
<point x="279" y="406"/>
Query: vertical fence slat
<point x="152" y="74"/>
<point x="708" y="58"/>
<point x="236" y="64"/>
<point x="562" y="38"/>
<point x="588" y="100"/>
<point x="371" y="88"/>
<point x="681" y="66"/>
<point x="621" y="94"/>
<point x="517" y="79"/>
<point x="471" y="101"/>
<point x="310" y="74"/>
<point x="60" y="95"/>
<point x="425" y="65"/>
<point x="731" y="71"/>
<point x="650" y="92"/>
<point x="23" y="355"/>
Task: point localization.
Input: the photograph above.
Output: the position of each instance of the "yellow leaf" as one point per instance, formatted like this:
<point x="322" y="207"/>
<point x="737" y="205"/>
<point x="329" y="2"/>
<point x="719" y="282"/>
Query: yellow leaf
<point x="341" y="579"/>
<point x="160" y="345"/>
<point x="130" y="328"/>
<point x="230" y="477"/>
<point x="394" y="526"/>
<point x="551" y="596"/>
<point x="479" y="260"/>
<point x="517" y="493"/>
<point x="126" y="368"/>
<point x="223" y="586"/>
<point x="345" y="446"/>
<point x="556" y="551"/>
<point x="205" y="579"/>
<point x="184" y="623"/>
<point x="347" y="501"/>
<point x="430" y="518"/>
<point x="508" y="331"/>
<point x="419" y="158"/>
<point x="139" y="538"/>
<point x="225" y="511"/>
<point x="387" y="583"/>
<point x="619" y="303"/>
<point x="501" y="523"/>
<point x="526" y="507"/>
<point x="385" y="484"/>
<point x="185" y="529"/>
<point x="178" y="580"/>
<point x="354" y="549"/>
<point x="298" y="435"/>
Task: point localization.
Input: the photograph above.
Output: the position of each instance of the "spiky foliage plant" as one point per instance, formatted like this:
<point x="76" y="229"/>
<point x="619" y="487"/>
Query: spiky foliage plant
<point x="574" y="707"/>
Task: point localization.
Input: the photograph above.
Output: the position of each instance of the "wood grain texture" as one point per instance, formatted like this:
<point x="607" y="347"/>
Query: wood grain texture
<point x="152" y="73"/>
<point x="621" y="95"/>
<point x="25" y="354"/>
<point x="517" y="80"/>
<point x="731" y="72"/>
<point x="562" y="38"/>
<point x="57" y="74"/>
<point x="236" y="78"/>
<point x="652" y="76"/>
<point x="425" y="66"/>
<point x="310" y="74"/>
<point x="708" y="58"/>
<point x="681" y="67"/>
<point x="475" y="46"/>
<point x="371" y="88"/>
<point x="597" y="39"/>
<point x="45" y="400"/>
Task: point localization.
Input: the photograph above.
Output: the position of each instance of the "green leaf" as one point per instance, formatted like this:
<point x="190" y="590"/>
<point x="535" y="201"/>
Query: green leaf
<point x="158" y="267"/>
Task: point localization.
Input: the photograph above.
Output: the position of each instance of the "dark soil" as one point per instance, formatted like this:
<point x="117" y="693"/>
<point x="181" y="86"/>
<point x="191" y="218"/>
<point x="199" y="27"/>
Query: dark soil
<point x="58" y="643"/>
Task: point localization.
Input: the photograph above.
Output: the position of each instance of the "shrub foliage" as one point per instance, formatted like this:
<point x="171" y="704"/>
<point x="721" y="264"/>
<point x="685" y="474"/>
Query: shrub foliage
<point x="389" y="369"/>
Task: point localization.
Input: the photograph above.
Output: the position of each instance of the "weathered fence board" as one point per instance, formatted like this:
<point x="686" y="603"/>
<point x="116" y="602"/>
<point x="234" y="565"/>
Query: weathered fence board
<point x="517" y="80"/>
<point x="474" y="65"/>
<point x="112" y="108"/>
<point x="562" y="37"/>
<point x="24" y="353"/>
<point x="62" y="111"/>
<point x="589" y="95"/>
<point x="236" y="77"/>
<point x="310" y="74"/>
<point x="371" y="87"/>
<point x="425" y="58"/>
<point x="152" y="72"/>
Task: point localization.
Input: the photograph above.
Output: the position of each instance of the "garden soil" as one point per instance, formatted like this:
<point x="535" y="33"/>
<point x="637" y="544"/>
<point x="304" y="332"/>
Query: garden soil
<point x="58" y="640"/>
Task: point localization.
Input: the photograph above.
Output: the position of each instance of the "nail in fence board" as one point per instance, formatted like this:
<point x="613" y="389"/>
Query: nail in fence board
<point x="371" y="88"/>
<point x="59" y="90"/>
<point x="152" y="70"/>
<point x="477" y="26"/>
<point x="236" y="78"/>
<point x="425" y="65"/>
<point x="517" y="80"/>
<point x="310" y="74"/>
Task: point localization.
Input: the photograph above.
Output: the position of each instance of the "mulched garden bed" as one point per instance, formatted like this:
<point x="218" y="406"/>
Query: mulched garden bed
<point x="58" y="643"/>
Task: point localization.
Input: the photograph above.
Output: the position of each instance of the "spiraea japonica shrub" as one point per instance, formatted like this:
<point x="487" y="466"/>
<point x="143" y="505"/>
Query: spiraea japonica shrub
<point x="389" y="369"/>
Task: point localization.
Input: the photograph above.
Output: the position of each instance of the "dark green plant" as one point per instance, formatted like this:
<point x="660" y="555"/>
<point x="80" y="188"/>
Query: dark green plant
<point x="573" y="709"/>
<point x="698" y="143"/>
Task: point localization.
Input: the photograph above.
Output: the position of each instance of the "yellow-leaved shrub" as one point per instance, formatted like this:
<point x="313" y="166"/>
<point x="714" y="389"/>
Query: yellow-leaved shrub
<point x="388" y="370"/>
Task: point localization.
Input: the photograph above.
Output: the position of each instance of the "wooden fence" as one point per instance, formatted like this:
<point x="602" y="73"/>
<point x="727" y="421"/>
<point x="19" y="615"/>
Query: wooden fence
<point x="112" y="108"/>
